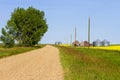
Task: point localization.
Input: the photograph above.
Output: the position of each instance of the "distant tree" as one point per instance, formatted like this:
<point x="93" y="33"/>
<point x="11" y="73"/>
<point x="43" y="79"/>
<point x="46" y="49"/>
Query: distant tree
<point x="7" y="37"/>
<point x="28" y="25"/>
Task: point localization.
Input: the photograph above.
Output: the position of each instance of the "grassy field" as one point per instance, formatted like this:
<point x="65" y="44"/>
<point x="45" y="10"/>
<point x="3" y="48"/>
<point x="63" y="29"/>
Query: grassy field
<point x="4" y="52"/>
<point x="90" y="64"/>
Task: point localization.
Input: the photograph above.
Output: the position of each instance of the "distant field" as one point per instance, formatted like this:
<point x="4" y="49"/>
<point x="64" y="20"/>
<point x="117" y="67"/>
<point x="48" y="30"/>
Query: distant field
<point x="65" y="45"/>
<point x="90" y="64"/>
<point x="4" y="52"/>
<point x="114" y="47"/>
<point x="111" y="47"/>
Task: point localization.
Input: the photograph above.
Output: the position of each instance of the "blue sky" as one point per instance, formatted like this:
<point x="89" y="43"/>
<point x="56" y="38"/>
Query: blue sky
<point x="64" y="15"/>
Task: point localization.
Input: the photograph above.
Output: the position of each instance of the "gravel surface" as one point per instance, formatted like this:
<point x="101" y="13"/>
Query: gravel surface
<point x="40" y="64"/>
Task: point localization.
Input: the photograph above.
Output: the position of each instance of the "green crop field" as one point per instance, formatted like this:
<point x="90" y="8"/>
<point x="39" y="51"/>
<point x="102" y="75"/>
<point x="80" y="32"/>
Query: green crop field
<point x="4" y="52"/>
<point x="90" y="64"/>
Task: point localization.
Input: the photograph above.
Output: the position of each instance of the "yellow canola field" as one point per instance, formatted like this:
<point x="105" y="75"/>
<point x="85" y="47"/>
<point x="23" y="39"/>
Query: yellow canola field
<point x="65" y="45"/>
<point x="108" y="48"/>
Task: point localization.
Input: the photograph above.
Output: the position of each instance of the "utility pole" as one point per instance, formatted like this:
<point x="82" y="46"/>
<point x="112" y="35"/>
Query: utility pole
<point x="71" y="39"/>
<point x="88" y="32"/>
<point x="75" y="38"/>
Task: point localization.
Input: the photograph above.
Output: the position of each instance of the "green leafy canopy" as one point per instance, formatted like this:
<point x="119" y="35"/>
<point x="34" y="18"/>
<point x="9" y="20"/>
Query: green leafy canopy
<point x="28" y="26"/>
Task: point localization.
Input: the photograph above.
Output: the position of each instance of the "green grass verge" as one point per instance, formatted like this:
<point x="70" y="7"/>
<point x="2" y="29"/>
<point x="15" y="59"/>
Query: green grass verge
<point x="89" y="64"/>
<point x="4" y="52"/>
<point x="111" y="56"/>
<point x="115" y="45"/>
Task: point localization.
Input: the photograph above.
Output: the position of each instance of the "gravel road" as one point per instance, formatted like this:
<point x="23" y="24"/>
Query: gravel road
<point x="40" y="64"/>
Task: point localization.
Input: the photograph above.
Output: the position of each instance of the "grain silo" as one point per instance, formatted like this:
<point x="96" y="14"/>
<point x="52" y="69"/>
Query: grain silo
<point x="97" y="43"/>
<point x="105" y="43"/>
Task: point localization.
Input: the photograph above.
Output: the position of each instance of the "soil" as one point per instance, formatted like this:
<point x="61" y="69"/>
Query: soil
<point x="40" y="64"/>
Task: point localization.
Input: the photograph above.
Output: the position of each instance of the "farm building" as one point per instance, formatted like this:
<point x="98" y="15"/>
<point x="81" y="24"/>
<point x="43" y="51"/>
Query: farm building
<point x="76" y="43"/>
<point x="58" y="43"/>
<point x="84" y="43"/>
<point x="101" y="43"/>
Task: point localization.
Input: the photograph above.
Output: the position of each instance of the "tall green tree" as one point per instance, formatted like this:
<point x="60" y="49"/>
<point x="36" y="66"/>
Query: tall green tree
<point x="29" y="25"/>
